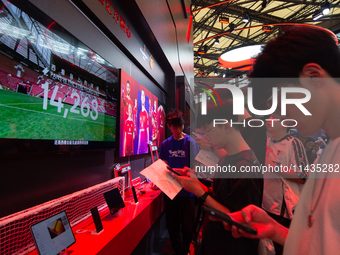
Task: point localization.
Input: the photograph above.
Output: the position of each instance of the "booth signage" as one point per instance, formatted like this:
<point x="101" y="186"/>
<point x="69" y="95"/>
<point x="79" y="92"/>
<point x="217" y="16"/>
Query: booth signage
<point x="116" y="16"/>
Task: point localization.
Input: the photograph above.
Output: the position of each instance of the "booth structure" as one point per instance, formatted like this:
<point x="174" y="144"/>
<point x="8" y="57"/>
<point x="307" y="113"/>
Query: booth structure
<point x="85" y="85"/>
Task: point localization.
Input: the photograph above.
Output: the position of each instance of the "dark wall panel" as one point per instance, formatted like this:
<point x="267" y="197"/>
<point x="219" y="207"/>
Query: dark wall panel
<point x="34" y="178"/>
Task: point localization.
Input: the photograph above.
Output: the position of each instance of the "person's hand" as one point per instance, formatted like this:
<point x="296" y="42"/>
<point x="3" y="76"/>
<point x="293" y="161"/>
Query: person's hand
<point x="316" y="147"/>
<point x="204" y="144"/>
<point x="190" y="184"/>
<point x="309" y="145"/>
<point x="255" y="217"/>
<point x="185" y="171"/>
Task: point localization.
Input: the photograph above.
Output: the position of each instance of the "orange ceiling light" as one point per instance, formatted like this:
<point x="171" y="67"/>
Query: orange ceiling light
<point x="266" y="29"/>
<point x="224" y="20"/>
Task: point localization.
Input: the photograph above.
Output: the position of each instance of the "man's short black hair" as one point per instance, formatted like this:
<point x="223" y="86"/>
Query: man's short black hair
<point x="286" y="55"/>
<point x="175" y="118"/>
<point x="224" y="111"/>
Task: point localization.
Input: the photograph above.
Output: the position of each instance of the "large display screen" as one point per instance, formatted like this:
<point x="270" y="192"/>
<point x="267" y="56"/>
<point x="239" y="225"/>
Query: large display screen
<point x="55" y="92"/>
<point x="139" y="118"/>
<point x="53" y="235"/>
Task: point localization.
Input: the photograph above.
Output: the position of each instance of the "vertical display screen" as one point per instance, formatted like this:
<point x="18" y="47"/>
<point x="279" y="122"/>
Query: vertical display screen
<point x="138" y="117"/>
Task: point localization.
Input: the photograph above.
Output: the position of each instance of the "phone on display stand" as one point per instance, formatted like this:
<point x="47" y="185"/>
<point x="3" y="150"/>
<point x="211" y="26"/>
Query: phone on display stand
<point x="97" y="221"/>
<point x="225" y="217"/>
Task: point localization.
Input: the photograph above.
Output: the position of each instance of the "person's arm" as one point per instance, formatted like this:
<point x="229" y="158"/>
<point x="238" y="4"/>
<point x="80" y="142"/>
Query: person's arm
<point x="298" y="159"/>
<point x="124" y="144"/>
<point x="139" y="137"/>
<point x="291" y="175"/>
<point x="194" y="186"/>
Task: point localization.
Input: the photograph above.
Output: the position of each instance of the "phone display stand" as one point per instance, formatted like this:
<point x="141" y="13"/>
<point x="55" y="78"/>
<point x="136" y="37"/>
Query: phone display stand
<point x="94" y="232"/>
<point x="64" y="252"/>
<point x="154" y="152"/>
<point x="124" y="171"/>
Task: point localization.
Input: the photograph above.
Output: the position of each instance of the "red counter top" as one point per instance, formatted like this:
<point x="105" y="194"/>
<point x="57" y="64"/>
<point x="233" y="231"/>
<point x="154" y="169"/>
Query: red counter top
<point x="122" y="231"/>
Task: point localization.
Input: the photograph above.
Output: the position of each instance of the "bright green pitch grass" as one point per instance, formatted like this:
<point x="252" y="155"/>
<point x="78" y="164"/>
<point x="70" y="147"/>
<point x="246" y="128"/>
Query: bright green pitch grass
<point x="23" y="116"/>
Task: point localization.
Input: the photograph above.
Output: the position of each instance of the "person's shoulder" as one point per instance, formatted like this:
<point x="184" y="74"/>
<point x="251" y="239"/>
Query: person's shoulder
<point x="295" y="141"/>
<point x="188" y="137"/>
<point x="166" y="141"/>
<point x="247" y="158"/>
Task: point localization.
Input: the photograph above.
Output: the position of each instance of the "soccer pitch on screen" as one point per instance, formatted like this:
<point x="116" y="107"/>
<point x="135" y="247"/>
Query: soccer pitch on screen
<point x="22" y="116"/>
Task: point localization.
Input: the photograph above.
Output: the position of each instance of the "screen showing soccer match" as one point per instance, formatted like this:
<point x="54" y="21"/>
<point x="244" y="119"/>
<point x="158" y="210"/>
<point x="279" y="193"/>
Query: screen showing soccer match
<point x="140" y="118"/>
<point x="52" y="86"/>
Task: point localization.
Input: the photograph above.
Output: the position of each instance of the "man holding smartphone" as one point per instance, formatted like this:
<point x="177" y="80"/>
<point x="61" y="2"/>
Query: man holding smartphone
<point x="180" y="213"/>
<point x="312" y="57"/>
<point x="232" y="190"/>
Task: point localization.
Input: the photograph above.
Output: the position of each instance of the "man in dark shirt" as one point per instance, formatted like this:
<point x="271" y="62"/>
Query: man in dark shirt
<point x="232" y="189"/>
<point x="180" y="213"/>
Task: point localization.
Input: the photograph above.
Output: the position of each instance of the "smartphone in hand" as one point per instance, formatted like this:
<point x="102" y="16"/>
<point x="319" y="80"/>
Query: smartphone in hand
<point x="225" y="217"/>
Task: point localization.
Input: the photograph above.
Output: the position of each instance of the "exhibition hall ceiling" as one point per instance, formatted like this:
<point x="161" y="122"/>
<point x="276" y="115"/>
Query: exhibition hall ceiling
<point x="221" y="26"/>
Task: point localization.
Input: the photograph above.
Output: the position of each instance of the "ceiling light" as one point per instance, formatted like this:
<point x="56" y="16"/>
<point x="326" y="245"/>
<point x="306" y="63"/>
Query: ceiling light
<point x="242" y="53"/>
<point x="246" y="18"/>
<point x="216" y="73"/>
<point x="326" y="8"/>
<point x="217" y="41"/>
<point x="317" y="15"/>
<point x="266" y="29"/>
<point x="224" y="20"/>
<point x="199" y="55"/>
<point x="202" y="52"/>
<point x="223" y="75"/>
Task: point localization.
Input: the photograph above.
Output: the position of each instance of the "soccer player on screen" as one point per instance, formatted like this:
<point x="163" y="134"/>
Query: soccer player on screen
<point x="127" y="100"/>
<point x="143" y="137"/>
<point x="129" y="133"/>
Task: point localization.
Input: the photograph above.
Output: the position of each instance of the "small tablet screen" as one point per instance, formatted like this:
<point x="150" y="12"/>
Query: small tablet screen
<point x="53" y="234"/>
<point x="114" y="200"/>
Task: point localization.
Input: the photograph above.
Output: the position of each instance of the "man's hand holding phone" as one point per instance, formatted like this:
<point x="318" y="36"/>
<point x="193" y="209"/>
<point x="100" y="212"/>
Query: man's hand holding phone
<point x="241" y="224"/>
<point x="256" y="217"/>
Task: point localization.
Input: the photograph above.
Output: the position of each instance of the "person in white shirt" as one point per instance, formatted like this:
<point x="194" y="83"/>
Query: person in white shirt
<point x="282" y="188"/>
<point x="310" y="55"/>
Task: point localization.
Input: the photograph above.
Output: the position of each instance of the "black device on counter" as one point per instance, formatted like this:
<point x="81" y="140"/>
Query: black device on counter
<point x="114" y="200"/>
<point x="134" y="194"/>
<point x="218" y="214"/>
<point x="97" y="221"/>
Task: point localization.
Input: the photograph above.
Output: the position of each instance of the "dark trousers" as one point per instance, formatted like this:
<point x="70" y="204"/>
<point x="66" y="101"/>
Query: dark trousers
<point x="180" y="219"/>
<point x="284" y="222"/>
